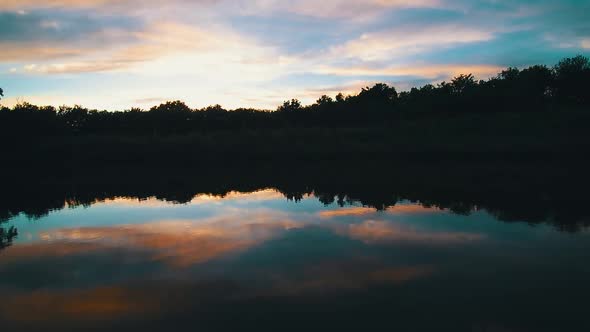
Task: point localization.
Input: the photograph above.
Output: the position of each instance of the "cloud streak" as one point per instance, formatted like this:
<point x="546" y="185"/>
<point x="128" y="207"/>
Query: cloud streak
<point x="429" y="71"/>
<point x="372" y="231"/>
<point x="409" y="40"/>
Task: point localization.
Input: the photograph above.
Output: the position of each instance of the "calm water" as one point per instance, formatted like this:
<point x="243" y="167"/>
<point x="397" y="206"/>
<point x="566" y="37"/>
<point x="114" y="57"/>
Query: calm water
<point x="257" y="261"/>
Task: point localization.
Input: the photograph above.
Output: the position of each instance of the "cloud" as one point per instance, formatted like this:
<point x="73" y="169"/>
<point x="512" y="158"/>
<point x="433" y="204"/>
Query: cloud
<point x="324" y="9"/>
<point x="13" y="52"/>
<point x="372" y="231"/>
<point x="50" y="27"/>
<point x="402" y="42"/>
<point x="78" y="305"/>
<point x="359" y="275"/>
<point x="565" y="41"/>
<point x="120" y="59"/>
<point x="431" y="71"/>
<point x="53" y="36"/>
<point x="62" y="27"/>
<point x="107" y="5"/>
<point x="74" y="45"/>
<point x="346" y="89"/>
<point x="346" y="212"/>
<point x="179" y="243"/>
<point x="349" y="9"/>
<point x="364" y="211"/>
<point x="166" y="47"/>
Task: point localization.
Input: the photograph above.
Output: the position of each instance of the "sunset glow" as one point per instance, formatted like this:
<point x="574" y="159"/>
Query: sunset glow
<point x="113" y="55"/>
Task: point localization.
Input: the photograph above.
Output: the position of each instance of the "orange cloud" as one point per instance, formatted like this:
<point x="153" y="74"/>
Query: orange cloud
<point x="162" y="48"/>
<point x="363" y="211"/>
<point x="411" y="209"/>
<point x="108" y="304"/>
<point x="179" y="249"/>
<point x="77" y="305"/>
<point x="13" y="52"/>
<point x="427" y="71"/>
<point x="372" y="231"/>
<point x="44" y="249"/>
<point x="179" y="243"/>
<point x="156" y="41"/>
<point x="345" y="212"/>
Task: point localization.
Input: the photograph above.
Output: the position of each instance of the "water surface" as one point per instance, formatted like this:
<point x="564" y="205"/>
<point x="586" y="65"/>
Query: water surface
<point x="259" y="261"/>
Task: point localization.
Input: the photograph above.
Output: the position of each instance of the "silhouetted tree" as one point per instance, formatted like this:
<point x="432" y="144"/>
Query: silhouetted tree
<point x="509" y="74"/>
<point x="377" y="99"/>
<point x="571" y="79"/>
<point x="7" y="236"/>
<point x="74" y="118"/>
<point x="535" y="83"/>
<point x="290" y="106"/>
<point x="171" y="106"/>
<point x="325" y="100"/>
<point x="380" y="93"/>
<point x="463" y="84"/>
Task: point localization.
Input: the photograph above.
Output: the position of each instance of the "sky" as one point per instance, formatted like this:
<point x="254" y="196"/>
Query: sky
<point x="117" y="54"/>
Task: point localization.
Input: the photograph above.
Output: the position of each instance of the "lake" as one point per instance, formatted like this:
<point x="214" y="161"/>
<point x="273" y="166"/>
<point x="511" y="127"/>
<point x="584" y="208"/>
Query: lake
<point x="267" y="260"/>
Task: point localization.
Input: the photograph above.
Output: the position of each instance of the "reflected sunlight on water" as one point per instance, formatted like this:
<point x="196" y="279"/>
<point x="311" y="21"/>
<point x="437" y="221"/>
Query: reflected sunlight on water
<point x="127" y="261"/>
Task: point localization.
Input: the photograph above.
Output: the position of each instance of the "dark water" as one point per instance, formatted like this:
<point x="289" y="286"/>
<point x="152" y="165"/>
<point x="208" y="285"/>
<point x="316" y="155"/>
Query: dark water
<point x="257" y="261"/>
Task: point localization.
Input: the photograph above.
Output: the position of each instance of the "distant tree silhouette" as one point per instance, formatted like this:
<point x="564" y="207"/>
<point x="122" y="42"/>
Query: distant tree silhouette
<point x="74" y="117"/>
<point x="1" y="93"/>
<point x="171" y="106"/>
<point x="215" y="109"/>
<point x="535" y="83"/>
<point x="325" y="100"/>
<point x="571" y="79"/>
<point x="463" y="84"/>
<point x="509" y="74"/>
<point x="379" y="95"/>
<point x="512" y="90"/>
<point x="290" y="106"/>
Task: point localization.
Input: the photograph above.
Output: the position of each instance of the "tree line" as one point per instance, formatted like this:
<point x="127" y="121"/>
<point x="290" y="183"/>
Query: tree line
<point x="527" y="90"/>
<point x="552" y="194"/>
